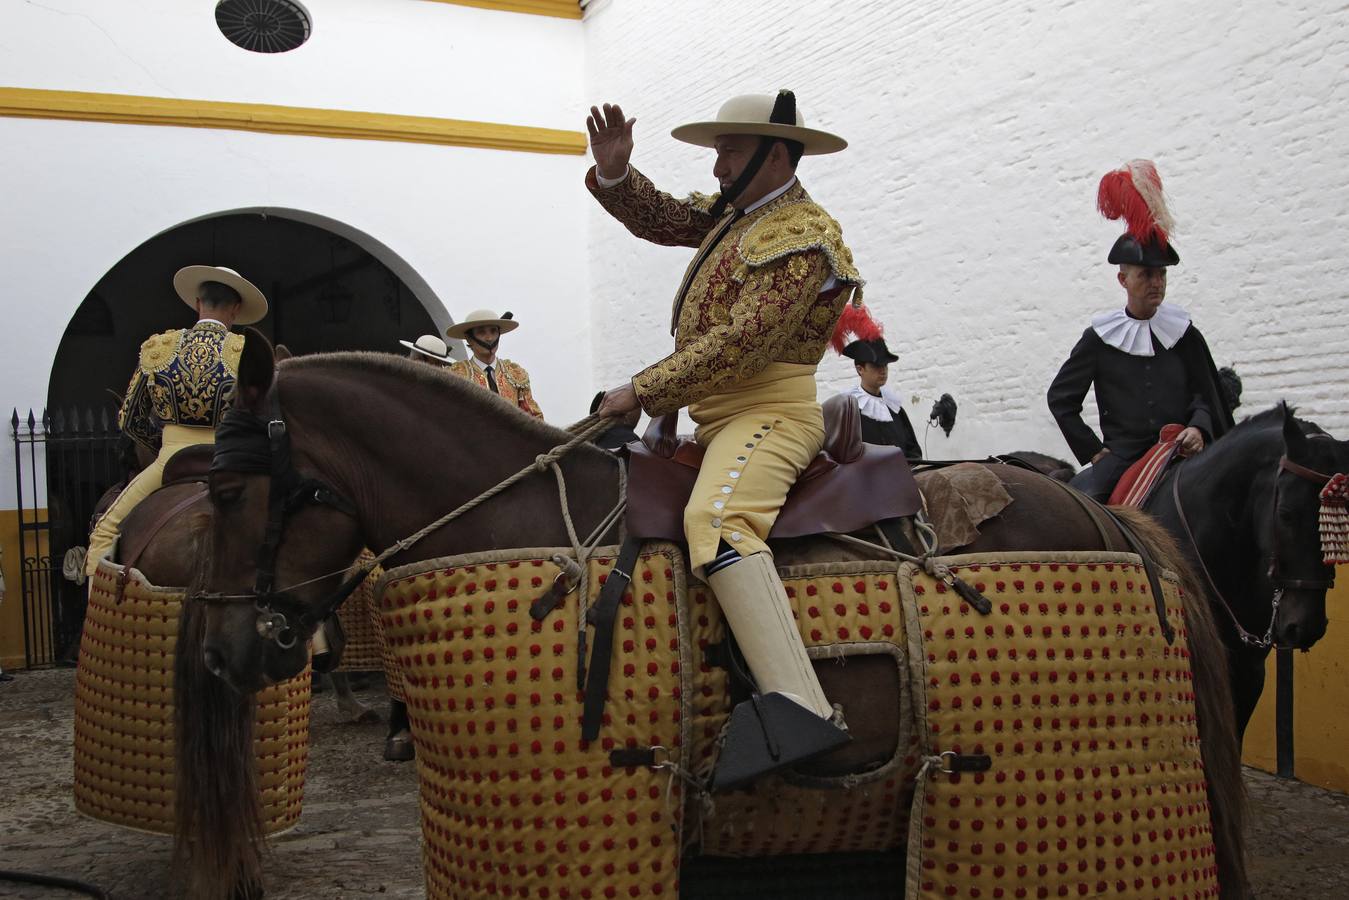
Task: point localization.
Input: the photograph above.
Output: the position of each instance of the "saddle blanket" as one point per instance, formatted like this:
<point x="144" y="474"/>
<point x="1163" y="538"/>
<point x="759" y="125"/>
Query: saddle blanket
<point x="1093" y="778"/>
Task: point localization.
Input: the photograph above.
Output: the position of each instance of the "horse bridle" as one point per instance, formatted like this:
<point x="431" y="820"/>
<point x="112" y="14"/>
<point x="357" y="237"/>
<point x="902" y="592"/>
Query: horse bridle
<point x="1280" y="583"/>
<point x="281" y="618"/>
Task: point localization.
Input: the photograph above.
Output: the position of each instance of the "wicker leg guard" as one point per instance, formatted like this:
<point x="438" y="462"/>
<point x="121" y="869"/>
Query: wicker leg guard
<point x="789" y="721"/>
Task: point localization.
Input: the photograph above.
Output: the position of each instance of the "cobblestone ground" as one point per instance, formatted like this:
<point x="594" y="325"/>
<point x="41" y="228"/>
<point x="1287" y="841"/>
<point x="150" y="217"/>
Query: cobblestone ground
<point x="358" y="836"/>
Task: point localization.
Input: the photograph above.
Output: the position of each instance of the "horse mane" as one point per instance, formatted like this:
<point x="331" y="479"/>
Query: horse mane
<point x="461" y="392"/>
<point x="218" y="842"/>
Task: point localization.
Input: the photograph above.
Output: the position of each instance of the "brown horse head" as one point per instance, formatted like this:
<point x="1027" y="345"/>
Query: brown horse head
<point x="242" y="500"/>
<point x="339" y="451"/>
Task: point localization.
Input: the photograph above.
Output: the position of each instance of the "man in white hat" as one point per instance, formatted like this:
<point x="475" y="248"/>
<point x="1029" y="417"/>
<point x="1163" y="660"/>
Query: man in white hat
<point x="183" y="383"/>
<point x="482" y="330"/>
<point x="757" y="306"/>
<point x="429" y="349"/>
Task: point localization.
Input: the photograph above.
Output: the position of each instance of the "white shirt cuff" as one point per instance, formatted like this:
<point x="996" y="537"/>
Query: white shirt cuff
<point x="611" y="182"/>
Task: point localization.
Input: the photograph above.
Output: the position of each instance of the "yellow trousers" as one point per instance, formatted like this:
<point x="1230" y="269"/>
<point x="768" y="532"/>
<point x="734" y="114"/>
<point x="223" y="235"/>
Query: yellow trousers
<point x="758" y="437"/>
<point x="104" y="536"/>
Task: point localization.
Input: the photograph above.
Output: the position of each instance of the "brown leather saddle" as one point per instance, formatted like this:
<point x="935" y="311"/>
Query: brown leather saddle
<point x="189" y="465"/>
<point x="848" y="486"/>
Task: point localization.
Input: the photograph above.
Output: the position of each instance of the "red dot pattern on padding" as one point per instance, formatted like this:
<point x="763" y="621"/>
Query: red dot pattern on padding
<point x="514" y="803"/>
<point x="124" y="746"/>
<point x="854" y="606"/>
<point x="1097" y="787"/>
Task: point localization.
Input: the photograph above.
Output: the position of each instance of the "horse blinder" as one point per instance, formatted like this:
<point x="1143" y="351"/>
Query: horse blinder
<point x="287" y="492"/>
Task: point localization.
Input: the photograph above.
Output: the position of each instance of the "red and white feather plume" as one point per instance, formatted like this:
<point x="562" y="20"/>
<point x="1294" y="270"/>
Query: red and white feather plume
<point x="1133" y="193"/>
<point x="857" y="322"/>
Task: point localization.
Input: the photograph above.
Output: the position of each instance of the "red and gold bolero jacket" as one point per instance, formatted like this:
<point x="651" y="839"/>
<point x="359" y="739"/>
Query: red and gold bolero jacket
<point x="750" y="297"/>
<point x="511" y="378"/>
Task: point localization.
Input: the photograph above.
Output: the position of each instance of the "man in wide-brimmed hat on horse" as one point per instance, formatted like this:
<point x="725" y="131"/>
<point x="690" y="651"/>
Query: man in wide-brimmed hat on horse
<point x="482" y="330"/>
<point x="757" y="306"/>
<point x="183" y="383"/>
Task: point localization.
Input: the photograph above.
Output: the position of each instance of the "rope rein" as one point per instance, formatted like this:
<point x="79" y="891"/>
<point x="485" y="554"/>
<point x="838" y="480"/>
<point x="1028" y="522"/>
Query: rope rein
<point x="583" y="431"/>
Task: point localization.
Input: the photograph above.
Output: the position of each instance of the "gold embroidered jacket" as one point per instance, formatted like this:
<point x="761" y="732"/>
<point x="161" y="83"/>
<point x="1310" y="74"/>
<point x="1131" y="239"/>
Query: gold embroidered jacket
<point x="511" y="378"/>
<point x="184" y="377"/>
<point x="750" y="297"/>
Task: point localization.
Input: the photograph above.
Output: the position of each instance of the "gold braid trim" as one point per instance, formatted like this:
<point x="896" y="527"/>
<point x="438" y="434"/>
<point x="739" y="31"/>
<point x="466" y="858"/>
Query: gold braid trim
<point x="514" y="373"/>
<point x="234" y="347"/>
<point x="158" y="351"/>
<point x="795" y="228"/>
<point x="702" y="202"/>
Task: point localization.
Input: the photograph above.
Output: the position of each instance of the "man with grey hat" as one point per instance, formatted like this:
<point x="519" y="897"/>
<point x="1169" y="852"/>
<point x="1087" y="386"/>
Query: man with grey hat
<point x="481" y="330"/>
<point x="757" y="306"/>
<point x="183" y="383"/>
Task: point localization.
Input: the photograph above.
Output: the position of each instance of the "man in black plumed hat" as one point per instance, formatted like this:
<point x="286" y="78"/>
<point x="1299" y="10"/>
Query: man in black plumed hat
<point x="1150" y="365"/>
<point x="884" y="420"/>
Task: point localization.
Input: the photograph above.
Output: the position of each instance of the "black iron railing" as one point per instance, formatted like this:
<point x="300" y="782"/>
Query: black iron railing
<point x="64" y="462"/>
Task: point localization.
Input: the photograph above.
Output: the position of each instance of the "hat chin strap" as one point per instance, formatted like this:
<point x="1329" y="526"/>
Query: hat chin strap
<point x="784" y="113"/>
<point x="747" y="174"/>
<point x="490" y="347"/>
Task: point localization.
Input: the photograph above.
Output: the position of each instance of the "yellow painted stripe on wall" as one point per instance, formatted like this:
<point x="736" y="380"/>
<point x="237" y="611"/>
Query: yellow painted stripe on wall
<point x="562" y="9"/>
<point x="11" y="597"/>
<point x="334" y="123"/>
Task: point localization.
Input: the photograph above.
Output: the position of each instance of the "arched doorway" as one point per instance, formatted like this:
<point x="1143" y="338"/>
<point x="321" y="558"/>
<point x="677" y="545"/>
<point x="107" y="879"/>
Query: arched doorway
<point x="329" y="286"/>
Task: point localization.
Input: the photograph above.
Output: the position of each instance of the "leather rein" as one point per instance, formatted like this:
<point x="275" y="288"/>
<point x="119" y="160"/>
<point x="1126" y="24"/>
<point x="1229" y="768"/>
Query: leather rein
<point x="1280" y="583"/>
<point x="281" y="617"/>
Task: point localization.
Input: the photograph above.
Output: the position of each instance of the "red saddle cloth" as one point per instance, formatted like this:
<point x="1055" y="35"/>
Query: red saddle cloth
<point x="1136" y="484"/>
<point x="848" y="487"/>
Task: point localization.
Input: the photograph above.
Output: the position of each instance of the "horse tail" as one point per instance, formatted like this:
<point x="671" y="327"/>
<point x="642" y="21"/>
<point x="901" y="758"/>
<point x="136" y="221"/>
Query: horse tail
<point x="218" y="835"/>
<point x="1220" y="747"/>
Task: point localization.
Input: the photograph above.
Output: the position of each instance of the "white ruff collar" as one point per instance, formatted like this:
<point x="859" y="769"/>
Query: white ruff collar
<point x="1134" y="336"/>
<point x="880" y="408"/>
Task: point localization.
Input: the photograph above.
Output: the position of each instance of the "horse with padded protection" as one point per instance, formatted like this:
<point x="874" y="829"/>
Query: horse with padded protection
<point x="339" y="411"/>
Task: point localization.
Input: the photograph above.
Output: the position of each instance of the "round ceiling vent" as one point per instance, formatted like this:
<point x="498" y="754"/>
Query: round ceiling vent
<point x="263" y="26"/>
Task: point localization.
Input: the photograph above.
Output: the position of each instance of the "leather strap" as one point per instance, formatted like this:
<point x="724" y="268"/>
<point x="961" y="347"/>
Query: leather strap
<point x="131" y="555"/>
<point x="603" y="615"/>
<point x="1149" y="568"/>
<point x="1302" y="471"/>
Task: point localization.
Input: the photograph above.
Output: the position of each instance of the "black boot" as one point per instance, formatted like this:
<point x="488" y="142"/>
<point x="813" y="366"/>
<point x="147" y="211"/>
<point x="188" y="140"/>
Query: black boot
<point x="768" y="732"/>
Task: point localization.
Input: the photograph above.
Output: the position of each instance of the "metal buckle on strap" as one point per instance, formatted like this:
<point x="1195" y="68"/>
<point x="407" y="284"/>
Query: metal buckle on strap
<point x="276" y="428"/>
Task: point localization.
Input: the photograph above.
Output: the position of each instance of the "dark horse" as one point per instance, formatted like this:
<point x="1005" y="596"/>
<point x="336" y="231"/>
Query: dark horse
<point x="371" y="431"/>
<point x="1252" y="525"/>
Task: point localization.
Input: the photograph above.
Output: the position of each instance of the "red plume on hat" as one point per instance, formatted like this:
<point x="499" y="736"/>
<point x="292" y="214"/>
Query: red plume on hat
<point x="1133" y="193"/>
<point x="855" y="321"/>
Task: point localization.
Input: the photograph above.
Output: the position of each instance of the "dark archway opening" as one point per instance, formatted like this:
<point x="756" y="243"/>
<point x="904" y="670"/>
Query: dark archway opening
<point x="325" y="291"/>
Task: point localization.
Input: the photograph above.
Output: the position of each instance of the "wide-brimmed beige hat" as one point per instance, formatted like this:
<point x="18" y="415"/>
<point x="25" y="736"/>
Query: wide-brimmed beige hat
<point x="752" y="114"/>
<point x="187" y="279"/>
<point x="479" y="317"/>
<point x="429" y="345"/>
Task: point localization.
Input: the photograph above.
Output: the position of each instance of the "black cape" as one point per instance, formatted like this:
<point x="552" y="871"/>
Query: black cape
<point x="1137" y="395"/>
<point x="895" y="433"/>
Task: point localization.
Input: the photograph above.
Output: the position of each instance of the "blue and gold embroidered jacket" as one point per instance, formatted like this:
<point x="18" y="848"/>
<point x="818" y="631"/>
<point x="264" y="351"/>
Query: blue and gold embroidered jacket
<point x="184" y="377"/>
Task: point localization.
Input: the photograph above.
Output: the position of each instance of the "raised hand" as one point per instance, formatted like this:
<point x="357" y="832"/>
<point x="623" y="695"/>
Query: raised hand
<point x="610" y="139"/>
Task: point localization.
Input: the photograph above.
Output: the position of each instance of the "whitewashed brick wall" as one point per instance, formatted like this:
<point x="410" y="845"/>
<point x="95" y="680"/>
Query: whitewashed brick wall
<point x="979" y="130"/>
